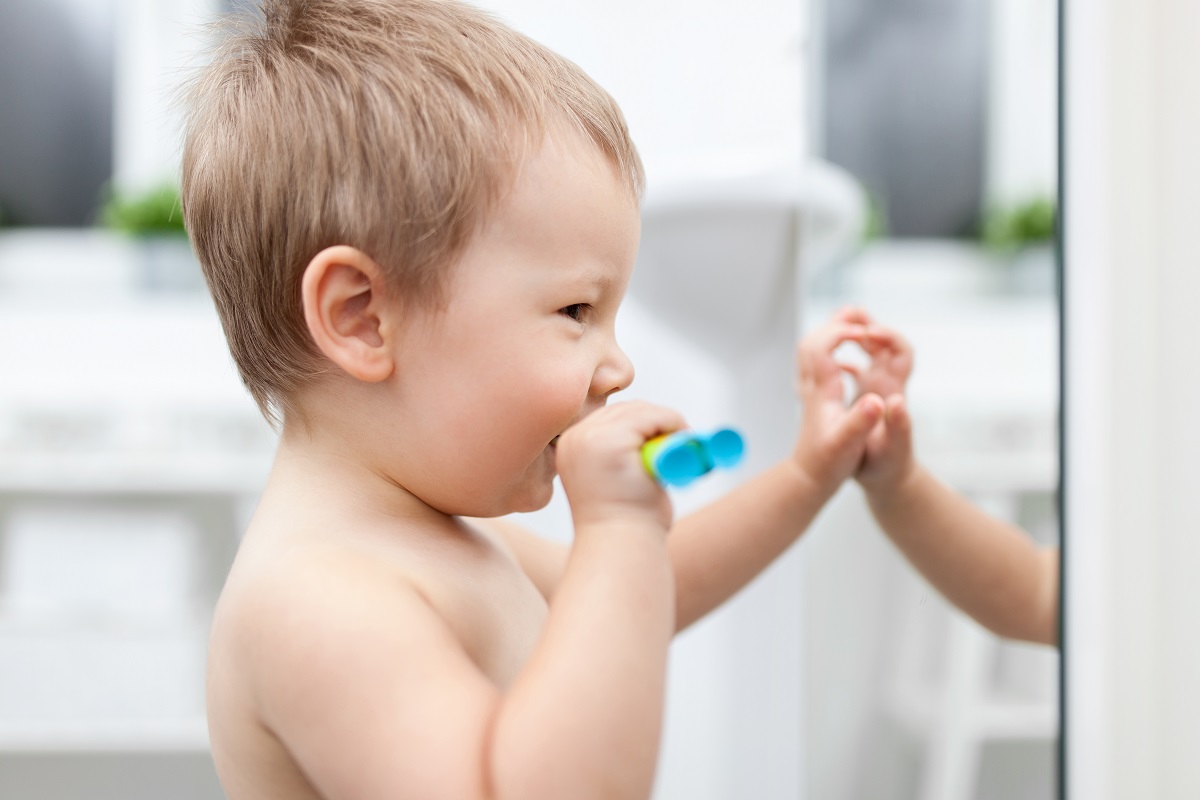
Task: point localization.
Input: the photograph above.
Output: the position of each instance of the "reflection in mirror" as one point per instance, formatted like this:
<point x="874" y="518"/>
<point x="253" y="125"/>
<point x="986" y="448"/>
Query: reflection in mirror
<point x="946" y="113"/>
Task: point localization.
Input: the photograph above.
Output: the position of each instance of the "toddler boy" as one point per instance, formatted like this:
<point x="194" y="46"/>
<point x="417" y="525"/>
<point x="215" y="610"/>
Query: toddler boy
<point x="417" y="226"/>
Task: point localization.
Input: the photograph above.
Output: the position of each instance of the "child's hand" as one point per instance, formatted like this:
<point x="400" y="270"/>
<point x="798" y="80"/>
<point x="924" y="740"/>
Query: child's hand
<point x="891" y="356"/>
<point x="832" y="437"/>
<point x="599" y="461"/>
<point x="888" y="456"/>
<point x="888" y="459"/>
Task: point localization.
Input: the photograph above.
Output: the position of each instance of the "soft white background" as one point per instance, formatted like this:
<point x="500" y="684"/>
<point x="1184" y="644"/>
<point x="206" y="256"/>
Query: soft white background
<point x="1133" y="276"/>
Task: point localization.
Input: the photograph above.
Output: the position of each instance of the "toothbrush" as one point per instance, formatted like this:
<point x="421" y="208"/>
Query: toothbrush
<point x="677" y="459"/>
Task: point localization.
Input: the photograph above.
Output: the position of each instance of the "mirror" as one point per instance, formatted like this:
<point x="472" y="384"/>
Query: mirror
<point x="800" y="156"/>
<point x="946" y="112"/>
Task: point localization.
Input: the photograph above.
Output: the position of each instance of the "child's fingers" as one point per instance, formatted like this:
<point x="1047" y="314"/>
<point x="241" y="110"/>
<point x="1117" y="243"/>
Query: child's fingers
<point x="860" y="420"/>
<point x="854" y="314"/>
<point x="814" y="353"/>
<point x="817" y="371"/>
<point x="877" y="338"/>
<point x="632" y="421"/>
<point x="895" y="434"/>
<point x="899" y="422"/>
<point x="877" y="439"/>
<point x="827" y="338"/>
<point x="647" y="419"/>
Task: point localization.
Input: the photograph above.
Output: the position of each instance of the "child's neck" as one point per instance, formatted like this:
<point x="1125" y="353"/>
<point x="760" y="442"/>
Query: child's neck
<point x="340" y="479"/>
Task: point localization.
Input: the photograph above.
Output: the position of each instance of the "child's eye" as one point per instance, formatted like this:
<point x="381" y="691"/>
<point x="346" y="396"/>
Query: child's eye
<point x="575" y="311"/>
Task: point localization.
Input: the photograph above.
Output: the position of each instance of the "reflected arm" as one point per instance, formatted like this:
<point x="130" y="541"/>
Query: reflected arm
<point x="988" y="568"/>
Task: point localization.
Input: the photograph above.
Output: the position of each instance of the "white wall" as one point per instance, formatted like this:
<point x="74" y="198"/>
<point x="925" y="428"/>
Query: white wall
<point x="1022" y="101"/>
<point x="703" y="83"/>
<point x="1133" y="276"/>
<point x="157" y="42"/>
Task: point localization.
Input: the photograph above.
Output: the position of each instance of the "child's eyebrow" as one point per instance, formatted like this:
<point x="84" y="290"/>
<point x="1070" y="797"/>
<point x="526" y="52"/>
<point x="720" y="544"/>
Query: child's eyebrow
<point x="601" y="279"/>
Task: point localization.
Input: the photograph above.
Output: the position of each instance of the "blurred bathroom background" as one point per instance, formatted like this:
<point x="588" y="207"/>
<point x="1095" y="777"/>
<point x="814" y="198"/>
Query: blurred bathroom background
<point x="801" y="155"/>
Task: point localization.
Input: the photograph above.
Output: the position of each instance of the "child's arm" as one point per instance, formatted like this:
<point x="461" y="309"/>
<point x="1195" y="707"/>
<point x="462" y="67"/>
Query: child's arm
<point x="718" y="549"/>
<point x="991" y="570"/>
<point x="584" y="718"/>
<point x="988" y="568"/>
<point x="377" y="695"/>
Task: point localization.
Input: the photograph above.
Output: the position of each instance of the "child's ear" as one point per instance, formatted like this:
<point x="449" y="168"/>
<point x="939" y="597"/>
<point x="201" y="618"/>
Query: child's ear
<point x="346" y="312"/>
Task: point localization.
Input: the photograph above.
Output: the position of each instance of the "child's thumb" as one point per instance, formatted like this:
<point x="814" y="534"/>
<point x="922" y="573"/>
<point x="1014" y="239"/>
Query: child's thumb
<point x="866" y="411"/>
<point x="899" y="423"/>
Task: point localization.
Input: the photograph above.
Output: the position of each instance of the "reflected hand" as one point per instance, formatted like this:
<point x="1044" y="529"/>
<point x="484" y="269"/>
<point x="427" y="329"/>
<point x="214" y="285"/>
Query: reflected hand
<point x="832" y="436"/>
<point x="891" y="356"/>
<point x="888" y="455"/>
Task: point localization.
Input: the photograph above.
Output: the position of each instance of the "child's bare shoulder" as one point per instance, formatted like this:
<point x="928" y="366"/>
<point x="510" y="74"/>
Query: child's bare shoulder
<point x="295" y="601"/>
<point x="312" y="636"/>
<point x="288" y="612"/>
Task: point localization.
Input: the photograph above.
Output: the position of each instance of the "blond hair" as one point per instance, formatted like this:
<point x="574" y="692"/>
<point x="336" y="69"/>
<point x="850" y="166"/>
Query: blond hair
<point x="387" y="125"/>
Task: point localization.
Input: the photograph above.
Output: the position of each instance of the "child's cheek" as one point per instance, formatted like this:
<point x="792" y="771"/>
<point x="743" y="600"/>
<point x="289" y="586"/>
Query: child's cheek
<point x="560" y="397"/>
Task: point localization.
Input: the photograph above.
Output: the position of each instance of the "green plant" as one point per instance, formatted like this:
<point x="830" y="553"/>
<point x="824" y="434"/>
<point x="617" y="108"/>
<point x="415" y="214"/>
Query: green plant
<point x="1020" y="225"/>
<point x="152" y="212"/>
<point x="876" y="226"/>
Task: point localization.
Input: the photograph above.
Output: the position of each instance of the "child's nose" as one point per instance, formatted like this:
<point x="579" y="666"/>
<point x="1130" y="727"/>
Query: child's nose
<point x="614" y="374"/>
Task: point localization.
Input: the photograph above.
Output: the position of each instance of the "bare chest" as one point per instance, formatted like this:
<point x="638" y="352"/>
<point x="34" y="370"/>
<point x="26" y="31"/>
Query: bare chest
<point x="495" y="611"/>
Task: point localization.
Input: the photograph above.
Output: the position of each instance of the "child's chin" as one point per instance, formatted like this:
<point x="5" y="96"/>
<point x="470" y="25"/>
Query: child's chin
<point x="535" y="497"/>
<point x="533" y="503"/>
